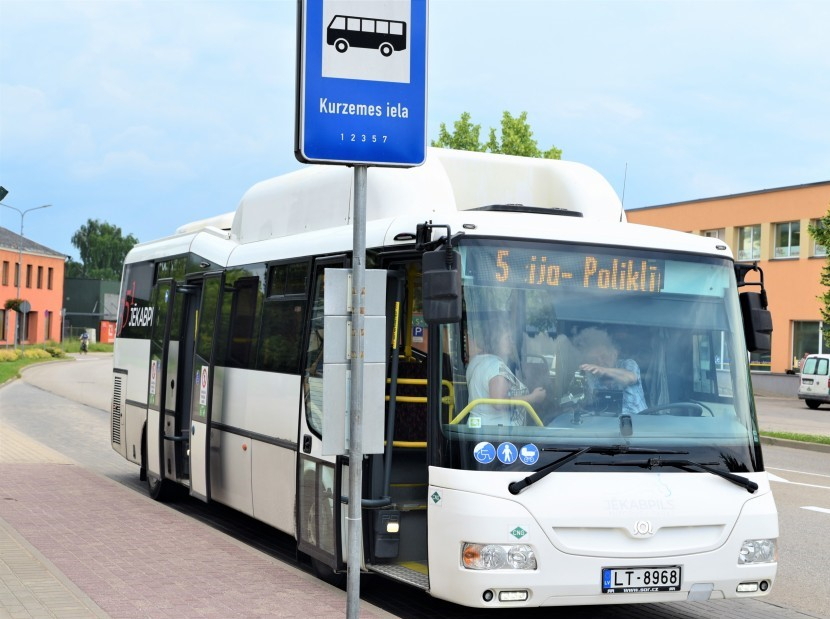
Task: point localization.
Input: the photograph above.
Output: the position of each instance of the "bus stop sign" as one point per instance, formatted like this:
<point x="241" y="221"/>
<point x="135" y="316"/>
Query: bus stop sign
<point x="361" y="82"/>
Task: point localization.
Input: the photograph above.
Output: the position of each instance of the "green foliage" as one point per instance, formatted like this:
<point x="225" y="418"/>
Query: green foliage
<point x="36" y="353"/>
<point x="102" y="248"/>
<point x="9" y="355"/>
<point x="13" y="304"/>
<point x="516" y="138"/>
<point x="821" y="234"/>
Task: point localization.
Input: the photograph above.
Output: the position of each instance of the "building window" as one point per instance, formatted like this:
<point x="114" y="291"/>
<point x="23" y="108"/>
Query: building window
<point x="719" y="233"/>
<point x="28" y="276"/>
<point x="3" y="323"/>
<point x="17" y="274"/>
<point x="47" y="325"/>
<point x="818" y="249"/>
<point x="5" y="272"/>
<point x="807" y="339"/>
<point x="40" y="277"/>
<point x="49" y="276"/>
<point x="749" y="242"/>
<point x="787" y="239"/>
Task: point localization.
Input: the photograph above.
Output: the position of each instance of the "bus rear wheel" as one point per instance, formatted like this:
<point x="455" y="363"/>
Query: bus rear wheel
<point x="386" y="49"/>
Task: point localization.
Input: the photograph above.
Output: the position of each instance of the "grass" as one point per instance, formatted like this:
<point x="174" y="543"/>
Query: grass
<point x="795" y="436"/>
<point x="11" y="369"/>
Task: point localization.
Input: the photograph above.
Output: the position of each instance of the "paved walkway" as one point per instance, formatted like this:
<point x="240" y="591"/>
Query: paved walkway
<point x="74" y="544"/>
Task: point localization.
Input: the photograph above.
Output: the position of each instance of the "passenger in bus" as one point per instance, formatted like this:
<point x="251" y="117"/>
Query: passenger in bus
<point x="604" y="370"/>
<point x="489" y="376"/>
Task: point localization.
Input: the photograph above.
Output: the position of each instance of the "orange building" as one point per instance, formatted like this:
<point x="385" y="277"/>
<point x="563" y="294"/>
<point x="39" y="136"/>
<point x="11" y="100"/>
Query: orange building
<point x="770" y="227"/>
<point x="40" y="282"/>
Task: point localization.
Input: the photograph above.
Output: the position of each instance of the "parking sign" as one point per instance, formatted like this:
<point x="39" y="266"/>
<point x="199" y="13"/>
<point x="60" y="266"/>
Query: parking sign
<point x="361" y="82"/>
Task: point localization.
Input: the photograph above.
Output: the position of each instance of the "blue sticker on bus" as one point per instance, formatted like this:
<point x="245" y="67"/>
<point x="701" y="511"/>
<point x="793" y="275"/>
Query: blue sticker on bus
<point x="507" y="453"/>
<point x="529" y="454"/>
<point x="484" y="453"/>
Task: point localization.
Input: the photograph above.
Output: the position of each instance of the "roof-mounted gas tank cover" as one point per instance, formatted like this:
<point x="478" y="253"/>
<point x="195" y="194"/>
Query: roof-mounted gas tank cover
<point x="521" y="208"/>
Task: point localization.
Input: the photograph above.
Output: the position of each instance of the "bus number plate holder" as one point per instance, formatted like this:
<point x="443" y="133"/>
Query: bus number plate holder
<point x="641" y="579"/>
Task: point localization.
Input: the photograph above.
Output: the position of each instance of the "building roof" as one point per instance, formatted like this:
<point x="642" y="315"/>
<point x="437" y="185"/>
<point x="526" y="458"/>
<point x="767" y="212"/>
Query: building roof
<point x="734" y="195"/>
<point x="12" y="241"/>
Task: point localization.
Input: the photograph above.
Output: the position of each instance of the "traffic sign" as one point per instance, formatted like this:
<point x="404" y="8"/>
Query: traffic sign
<point x="361" y="82"/>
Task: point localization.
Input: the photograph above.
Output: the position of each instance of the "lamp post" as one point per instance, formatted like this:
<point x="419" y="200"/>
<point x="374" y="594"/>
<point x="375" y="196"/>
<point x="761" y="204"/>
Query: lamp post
<point x="19" y="335"/>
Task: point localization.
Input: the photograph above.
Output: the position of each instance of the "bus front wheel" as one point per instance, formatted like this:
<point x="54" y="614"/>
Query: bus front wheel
<point x="341" y="45"/>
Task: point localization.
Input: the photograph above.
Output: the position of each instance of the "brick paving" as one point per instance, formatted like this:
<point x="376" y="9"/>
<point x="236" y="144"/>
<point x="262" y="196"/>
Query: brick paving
<point x="74" y="544"/>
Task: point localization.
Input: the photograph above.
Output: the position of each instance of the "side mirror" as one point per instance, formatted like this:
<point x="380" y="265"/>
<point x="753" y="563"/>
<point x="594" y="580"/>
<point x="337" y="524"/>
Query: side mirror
<point x="441" y="285"/>
<point x="757" y="321"/>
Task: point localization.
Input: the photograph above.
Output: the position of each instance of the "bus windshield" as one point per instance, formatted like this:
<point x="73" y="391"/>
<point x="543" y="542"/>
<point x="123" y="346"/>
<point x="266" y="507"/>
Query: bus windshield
<point x="566" y="346"/>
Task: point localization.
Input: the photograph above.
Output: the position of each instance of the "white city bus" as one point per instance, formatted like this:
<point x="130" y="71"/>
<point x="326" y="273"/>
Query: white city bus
<point x="218" y="381"/>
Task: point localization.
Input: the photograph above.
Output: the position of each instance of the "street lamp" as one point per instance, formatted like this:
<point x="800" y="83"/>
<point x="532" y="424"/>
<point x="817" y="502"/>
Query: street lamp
<point x="20" y="260"/>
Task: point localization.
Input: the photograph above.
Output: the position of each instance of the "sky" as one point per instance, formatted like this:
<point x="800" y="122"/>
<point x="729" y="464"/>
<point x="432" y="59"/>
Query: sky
<point x="148" y="114"/>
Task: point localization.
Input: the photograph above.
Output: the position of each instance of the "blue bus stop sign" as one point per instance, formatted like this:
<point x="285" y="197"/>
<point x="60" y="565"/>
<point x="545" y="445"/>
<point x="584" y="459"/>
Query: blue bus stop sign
<point x="361" y="82"/>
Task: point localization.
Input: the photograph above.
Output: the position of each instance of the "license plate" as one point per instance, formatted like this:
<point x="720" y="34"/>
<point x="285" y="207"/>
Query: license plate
<point x="640" y="579"/>
<point x="806" y="381"/>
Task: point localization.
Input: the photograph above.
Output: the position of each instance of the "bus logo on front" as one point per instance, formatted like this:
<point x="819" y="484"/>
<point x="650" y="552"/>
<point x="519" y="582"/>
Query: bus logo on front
<point x="385" y="35"/>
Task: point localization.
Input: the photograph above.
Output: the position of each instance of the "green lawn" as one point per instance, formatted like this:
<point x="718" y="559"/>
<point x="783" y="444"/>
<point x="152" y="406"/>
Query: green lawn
<point x="11" y="369"/>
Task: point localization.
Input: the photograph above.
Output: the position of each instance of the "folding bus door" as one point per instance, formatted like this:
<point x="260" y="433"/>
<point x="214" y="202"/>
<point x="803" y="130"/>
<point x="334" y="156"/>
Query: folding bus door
<point x="206" y="322"/>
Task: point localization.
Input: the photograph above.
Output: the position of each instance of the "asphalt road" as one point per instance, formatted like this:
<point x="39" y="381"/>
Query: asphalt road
<point x="801" y="483"/>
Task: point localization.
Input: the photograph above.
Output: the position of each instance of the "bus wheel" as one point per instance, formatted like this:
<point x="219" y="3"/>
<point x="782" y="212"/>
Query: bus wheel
<point x="159" y="489"/>
<point x="341" y="45"/>
<point x="386" y="49"/>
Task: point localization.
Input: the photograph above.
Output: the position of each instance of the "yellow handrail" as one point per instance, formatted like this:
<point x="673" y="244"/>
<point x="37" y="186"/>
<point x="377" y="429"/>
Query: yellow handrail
<point x="497" y="401"/>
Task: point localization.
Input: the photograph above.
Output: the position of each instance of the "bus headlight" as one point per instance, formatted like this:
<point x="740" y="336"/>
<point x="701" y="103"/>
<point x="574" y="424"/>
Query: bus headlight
<point x="758" y="551"/>
<point x="498" y="557"/>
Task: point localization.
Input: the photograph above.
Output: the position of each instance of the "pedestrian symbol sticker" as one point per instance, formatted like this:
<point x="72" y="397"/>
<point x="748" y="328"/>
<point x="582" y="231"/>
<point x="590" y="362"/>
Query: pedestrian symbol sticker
<point x="507" y="453"/>
<point x="484" y="453"/>
<point x="529" y="454"/>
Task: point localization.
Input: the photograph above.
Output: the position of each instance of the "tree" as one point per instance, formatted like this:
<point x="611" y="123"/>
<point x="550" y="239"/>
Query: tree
<point x="102" y="248"/>
<point x="821" y="234"/>
<point x="516" y="138"/>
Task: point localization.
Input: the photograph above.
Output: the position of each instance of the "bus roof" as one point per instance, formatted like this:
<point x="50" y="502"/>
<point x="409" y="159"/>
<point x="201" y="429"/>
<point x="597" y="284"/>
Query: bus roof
<point x="319" y="196"/>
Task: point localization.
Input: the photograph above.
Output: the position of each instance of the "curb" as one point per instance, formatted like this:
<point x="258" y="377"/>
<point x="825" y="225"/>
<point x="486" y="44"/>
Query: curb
<point x="783" y="442"/>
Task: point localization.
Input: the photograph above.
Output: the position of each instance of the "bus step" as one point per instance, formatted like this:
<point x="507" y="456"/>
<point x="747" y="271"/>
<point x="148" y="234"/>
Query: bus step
<point x="417" y="577"/>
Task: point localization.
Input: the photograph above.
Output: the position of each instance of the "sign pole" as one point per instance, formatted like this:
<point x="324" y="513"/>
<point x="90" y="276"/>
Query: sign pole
<point x="354" y="517"/>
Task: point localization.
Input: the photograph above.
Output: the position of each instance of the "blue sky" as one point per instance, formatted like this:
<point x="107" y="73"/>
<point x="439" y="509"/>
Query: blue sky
<point x="151" y="114"/>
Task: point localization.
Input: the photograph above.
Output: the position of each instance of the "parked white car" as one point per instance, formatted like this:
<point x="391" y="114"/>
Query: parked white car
<point x="814" y="386"/>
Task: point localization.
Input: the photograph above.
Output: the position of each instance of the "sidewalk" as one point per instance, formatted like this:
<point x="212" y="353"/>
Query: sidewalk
<point x="74" y="544"/>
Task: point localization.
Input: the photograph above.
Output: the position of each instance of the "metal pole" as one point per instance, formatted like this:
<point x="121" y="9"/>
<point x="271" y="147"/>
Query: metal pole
<point x="354" y="517"/>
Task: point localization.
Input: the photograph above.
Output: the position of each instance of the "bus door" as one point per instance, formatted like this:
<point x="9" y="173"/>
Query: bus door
<point x="170" y="354"/>
<point x="399" y="477"/>
<point x="203" y="323"/>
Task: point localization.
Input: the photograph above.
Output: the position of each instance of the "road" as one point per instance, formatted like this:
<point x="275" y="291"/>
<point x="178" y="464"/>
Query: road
<point x="76" y="423"/>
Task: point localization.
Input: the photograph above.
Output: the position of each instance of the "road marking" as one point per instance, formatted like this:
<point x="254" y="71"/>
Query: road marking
<point x="795" y="483"/>
<point x="771" y="468"/>
<point x="817" y="509"/>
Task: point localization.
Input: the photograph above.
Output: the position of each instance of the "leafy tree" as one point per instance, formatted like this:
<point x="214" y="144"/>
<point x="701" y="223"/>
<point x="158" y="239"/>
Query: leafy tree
<point x="516" y="138"/>
<point x="821" y="234"/>
<point x="102" y="248"/>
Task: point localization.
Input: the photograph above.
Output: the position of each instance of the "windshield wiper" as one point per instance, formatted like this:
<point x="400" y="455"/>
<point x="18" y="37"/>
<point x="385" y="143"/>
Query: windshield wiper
<point x="684" y="465"/>
<point x="516" y="487"/>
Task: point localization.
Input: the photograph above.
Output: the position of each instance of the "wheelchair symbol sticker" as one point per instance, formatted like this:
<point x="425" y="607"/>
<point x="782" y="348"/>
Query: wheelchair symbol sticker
<point x="484" y="453"/>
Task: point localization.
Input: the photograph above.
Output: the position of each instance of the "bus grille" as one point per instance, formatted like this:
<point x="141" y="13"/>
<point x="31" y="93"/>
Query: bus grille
<point x="117" y="406"/>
